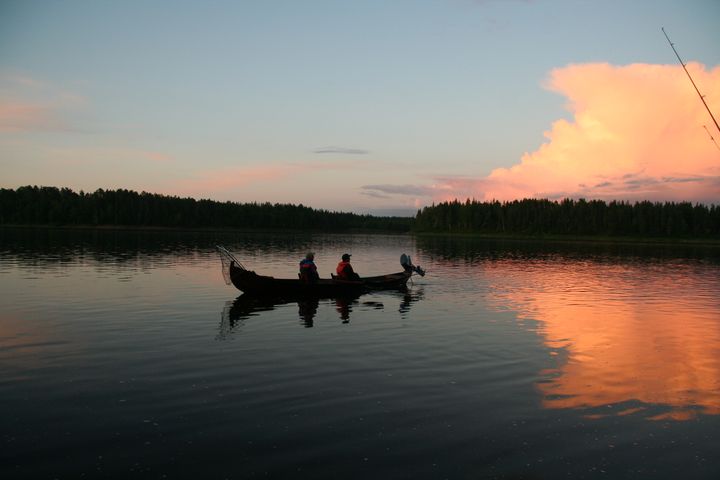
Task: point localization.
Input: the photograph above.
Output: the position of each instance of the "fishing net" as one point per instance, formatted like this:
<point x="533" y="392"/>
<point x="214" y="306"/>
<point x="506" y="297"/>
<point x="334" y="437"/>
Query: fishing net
<point x="227" y="259"/>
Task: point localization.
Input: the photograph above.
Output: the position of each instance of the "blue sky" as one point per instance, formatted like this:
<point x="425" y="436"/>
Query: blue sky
<point x="306" y="102"/>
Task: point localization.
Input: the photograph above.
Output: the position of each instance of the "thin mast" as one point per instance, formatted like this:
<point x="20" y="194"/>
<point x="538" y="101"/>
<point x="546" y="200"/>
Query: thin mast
<point x="702" y="97"/>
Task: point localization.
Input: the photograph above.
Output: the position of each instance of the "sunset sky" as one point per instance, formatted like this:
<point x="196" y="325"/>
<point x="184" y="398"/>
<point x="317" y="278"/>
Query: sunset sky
<point x="368" y="106"/>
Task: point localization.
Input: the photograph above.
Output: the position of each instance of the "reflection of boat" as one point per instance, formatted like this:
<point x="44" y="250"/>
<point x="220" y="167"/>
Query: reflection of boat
<point x="409" y="297"/>
<point x="247" y="305"/>
<point x="250" y="282"/>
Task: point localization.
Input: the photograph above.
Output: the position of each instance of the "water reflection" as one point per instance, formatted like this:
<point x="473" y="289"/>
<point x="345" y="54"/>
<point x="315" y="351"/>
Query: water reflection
<point x="633" y="329"/>
<point x="343" y="307"/>
<point x="474" y="249"/>
<point x="409" y="297"/>
<point x="246" y="306"/>
<point x="307" y="309"/>
<point x="639" y="338"/>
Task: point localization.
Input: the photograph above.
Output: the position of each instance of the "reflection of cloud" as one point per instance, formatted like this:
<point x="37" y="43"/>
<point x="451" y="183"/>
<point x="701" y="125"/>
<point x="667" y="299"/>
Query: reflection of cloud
<point x="24" y="345"/>
<point x="342" y="150"/>
<point x="626" y="334"/>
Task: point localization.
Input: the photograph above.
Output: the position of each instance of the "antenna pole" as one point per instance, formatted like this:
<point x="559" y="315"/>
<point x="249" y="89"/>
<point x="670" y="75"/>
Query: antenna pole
<point x="702" y="97"/>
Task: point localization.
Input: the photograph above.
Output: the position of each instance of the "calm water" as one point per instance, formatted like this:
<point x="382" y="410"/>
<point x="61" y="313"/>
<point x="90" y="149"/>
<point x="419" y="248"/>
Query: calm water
<point x="125" y="355"/>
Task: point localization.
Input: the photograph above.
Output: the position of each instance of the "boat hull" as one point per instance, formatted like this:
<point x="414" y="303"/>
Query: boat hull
<point x="250" y="282"/>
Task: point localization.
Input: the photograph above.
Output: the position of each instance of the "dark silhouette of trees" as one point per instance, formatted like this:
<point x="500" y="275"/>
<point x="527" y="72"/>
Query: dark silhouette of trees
<point x="572" y="217"/>
<point x="32" y="205"/>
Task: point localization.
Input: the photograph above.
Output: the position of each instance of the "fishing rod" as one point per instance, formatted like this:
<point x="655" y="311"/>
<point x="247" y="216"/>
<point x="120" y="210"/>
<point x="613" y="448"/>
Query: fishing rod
<point x="702" y="97"/>
<point x="711" y="137"/>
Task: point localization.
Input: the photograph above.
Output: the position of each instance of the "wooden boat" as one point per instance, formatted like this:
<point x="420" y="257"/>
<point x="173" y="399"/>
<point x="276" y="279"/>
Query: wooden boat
<point x="250" y="282"/>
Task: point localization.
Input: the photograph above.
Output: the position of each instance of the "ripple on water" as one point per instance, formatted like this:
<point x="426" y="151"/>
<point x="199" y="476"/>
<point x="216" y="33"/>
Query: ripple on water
<point x="502" y="361"/>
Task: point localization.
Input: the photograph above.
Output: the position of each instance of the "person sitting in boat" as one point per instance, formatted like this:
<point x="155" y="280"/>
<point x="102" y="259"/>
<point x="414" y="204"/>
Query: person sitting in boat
<point x="308" y="269"/>
<point x="344" y="269"/>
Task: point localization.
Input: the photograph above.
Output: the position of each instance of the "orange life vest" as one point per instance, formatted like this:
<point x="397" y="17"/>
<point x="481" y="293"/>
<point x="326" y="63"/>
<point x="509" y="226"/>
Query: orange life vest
<point x="341" y="269"/>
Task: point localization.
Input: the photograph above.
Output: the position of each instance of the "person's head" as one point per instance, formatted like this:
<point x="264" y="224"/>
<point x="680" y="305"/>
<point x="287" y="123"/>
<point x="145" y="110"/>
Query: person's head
<point x="346" y="257"/>
<point x="310" y="256"/>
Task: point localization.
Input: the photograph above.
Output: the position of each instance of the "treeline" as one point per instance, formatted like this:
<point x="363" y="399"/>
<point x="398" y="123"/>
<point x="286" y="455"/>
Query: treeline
<point x="572" y="217"/>
<point x="32" y="205"/>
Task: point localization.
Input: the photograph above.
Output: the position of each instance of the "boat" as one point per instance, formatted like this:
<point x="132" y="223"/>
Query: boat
<point x="250" y="282"/>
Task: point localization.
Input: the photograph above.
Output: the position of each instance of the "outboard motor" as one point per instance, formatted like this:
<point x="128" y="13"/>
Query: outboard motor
<point x="408" y="266"/>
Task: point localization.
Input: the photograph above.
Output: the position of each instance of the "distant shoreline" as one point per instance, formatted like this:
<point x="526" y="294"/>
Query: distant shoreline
<point x="530" y="219"/>
<point x="582" y="239"/>
<point x="548" y="239"/>
<point x="161" y="228"/>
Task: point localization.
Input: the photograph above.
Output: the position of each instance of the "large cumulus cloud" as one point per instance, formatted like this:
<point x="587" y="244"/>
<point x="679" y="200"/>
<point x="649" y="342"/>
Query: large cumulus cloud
<point x="637" y="132"/>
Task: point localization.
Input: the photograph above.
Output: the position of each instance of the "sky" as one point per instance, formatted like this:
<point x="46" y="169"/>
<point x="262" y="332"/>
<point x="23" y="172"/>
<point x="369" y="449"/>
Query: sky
<point x="373" y="106"/>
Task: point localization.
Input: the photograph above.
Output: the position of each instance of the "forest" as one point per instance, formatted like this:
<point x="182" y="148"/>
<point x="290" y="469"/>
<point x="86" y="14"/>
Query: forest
<point x="32" y="205"/>
<point x="572" y="217"/>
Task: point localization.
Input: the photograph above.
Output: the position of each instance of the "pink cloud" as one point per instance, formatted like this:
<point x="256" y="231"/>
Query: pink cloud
<point x="231" y="179"/>
<point x="17" y="78"/>
<point x="637" y="133"/>
<point x="28" y="104"/>
<point x="20" y="116"/>
<point x="158" y="157"/>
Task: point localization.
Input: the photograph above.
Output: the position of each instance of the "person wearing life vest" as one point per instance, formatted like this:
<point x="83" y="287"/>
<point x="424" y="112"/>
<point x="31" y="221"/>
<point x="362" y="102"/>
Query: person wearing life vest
<point x="308" y="269"/>
<point x="344" y="269"/>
